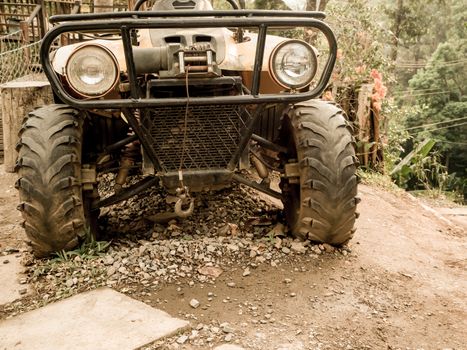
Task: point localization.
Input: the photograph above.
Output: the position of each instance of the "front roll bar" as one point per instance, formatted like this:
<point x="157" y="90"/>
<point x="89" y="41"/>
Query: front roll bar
<point x="199" y="20"/>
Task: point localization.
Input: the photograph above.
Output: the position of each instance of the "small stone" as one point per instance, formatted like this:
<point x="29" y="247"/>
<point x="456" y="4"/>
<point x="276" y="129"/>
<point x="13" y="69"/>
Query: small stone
<point x="22" y="291"/>
<point x="69" y="283"/>
<point x="316" y="249"/>
<point x="246" y="272"/>
<point x="233" y="247"/>
<point x="278" y="230"/>
<point x="287" y="281"/>
<point x="278" y="243"/>
<point x="231" y="284"/>
<point x="194" y="303"/>
<point x="6" y="261"/>
<point x="109" y="260"/>
<point x="111" y="271"/>
<point x="210" y="271"/>
<point x="328" y="248"/>
<point x="228" y="338"/>
<point x="141" y="250"/>
<point x="293" y="295"/>
<point x="298" y="247"/>
<point x="194" y="334"/>
<point x="182" y="339"/>
<point x="226" y="328"/>
<point x="285" y="250"/>
<point x="11" y="250"/>
<point x="224" y="230"/>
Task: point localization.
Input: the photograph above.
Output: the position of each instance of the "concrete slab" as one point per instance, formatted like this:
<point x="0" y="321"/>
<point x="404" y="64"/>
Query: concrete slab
<point x="100" y="319"/>
<point x="10" y="271"/>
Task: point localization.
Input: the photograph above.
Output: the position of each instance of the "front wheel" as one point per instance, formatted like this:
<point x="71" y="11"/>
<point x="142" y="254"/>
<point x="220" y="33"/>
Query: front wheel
<point x="49" y="184"/>
<point x="320" y="185"/>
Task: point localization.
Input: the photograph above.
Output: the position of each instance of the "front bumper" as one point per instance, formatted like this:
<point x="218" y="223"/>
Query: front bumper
<point x="127" y="23"/>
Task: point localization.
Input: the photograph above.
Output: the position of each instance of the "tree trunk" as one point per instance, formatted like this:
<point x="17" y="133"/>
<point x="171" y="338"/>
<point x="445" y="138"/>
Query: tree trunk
<point x="17" y="99"/>
<point x="396" y="29"/>
<point x="316" y="5"/>
<point x="103" y="6"/>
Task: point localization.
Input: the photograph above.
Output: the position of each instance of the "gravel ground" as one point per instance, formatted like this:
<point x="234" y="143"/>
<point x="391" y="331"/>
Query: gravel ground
<point x="233" y="271"/>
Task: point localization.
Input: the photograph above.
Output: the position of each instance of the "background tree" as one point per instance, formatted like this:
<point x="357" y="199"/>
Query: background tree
<point x="440" y="96"/>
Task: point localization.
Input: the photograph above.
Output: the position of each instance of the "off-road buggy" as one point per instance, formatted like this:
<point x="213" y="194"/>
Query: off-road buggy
<point x="186" y="96"/>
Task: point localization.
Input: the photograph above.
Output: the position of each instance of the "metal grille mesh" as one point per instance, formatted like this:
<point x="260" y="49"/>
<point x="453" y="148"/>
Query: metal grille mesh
<point x="213" y="135"/>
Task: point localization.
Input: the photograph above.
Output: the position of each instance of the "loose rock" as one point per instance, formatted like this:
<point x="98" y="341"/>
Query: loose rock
<point x="194" y="303"/>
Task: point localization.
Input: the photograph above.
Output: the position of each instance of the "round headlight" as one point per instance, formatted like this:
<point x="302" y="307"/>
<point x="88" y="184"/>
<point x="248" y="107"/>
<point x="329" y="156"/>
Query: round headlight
<point x="92" y="70"/>
<point x="293" y="64"/>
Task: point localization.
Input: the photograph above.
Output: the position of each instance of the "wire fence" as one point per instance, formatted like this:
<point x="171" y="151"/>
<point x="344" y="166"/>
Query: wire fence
<point x="17" y="59"/>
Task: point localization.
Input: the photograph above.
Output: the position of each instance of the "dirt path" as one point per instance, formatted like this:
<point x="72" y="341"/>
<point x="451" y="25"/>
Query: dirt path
<point x="11" y="233"/>
<point x="402" y="286"/>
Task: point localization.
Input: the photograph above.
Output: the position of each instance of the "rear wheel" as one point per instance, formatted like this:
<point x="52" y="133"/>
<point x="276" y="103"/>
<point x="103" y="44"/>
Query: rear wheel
<point x="320" y="185"/>
<point x="49" y="167"/>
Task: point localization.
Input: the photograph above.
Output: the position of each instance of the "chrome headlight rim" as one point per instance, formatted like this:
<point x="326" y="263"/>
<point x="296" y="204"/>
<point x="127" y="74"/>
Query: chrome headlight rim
<point x="277" y="78"/>
<point x="69" y="72"/>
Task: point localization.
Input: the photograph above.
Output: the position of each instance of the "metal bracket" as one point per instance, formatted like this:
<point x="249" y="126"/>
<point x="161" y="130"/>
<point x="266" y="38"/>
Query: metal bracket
<point x="88" y="177"/>
<point x="292" y="172"/>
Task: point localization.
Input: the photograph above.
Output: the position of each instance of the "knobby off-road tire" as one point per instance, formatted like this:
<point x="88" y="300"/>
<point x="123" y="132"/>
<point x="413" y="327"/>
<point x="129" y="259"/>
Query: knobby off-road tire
<point x="49" y="184"/>
<point x="321" y="207"/>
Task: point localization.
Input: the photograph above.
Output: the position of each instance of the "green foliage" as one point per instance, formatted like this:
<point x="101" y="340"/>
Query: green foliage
<point x="374" y="178"/>
<point x="410" y="20"/>
<point x="429" y="42"/>
<point x="407" y="166"/>
<point x="395" y="133"/>
<point x="360" y="39"/>
<point x="89" y="249"/>
<point x="421" y="167"/>
<point x="439" y="91"/>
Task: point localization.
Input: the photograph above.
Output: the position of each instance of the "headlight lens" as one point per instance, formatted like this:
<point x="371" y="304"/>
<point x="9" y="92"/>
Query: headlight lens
<point x="293" y="64"/>
<point x="92" y="70"/>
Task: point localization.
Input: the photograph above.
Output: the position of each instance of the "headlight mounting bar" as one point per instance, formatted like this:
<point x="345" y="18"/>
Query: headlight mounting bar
<point x="197" y="19"/>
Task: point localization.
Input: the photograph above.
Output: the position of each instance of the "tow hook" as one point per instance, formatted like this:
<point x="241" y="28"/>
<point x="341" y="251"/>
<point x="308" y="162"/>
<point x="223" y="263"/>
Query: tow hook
<point x="184" y="198"/>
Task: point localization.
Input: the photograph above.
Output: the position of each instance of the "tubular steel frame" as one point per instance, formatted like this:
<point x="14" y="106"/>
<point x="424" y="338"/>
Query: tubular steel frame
<point x="126" y="22"/>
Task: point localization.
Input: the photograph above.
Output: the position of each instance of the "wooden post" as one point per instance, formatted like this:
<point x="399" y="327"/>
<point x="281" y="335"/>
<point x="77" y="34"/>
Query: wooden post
<point x="364" y="121"/>
<point x="103" y="6"/>
<point x="24" y="25"/>
<point x="17" y="99"/>
<point x="42" y="18"/>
